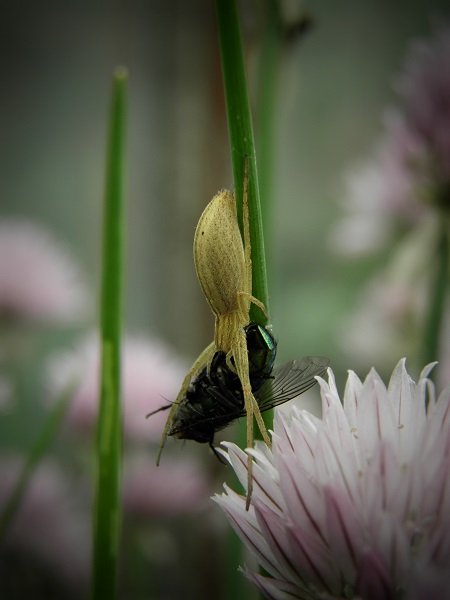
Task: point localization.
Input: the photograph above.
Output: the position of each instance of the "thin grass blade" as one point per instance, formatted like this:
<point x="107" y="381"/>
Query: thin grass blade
<point x="107" y="508"/>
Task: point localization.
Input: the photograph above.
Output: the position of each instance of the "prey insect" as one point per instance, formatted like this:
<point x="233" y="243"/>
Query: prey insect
<point x="215" y="399"/>
<point x="223" y="377"/>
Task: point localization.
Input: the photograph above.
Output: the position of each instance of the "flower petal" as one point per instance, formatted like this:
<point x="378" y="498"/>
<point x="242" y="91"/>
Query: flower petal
<point x="265" y="478"/>
<point x="312" y="559"/>
<point x="304" y="500"/>
<point x="399" y="392"/>
<point x="352" y="393"/>
<point x="345" y="531"/>
<point x="373" y="580"/>
<point x="375" y="417"/>
<point x="273" y="529"/>
<point x="246" y="526"/>
<point x="274" y="589"/>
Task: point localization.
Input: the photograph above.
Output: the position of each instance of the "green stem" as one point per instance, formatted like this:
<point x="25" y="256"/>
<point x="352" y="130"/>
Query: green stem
<point x="433" y="325"/>
<point x="37" y="452"/>
<point x="242" y="143"/>
<point x="268" y="74"/>
<point x="107" y="509"/>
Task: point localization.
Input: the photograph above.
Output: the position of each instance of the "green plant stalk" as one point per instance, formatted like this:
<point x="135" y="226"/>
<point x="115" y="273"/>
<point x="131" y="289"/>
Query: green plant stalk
<point x="433" y="325"/>
<point x="268" y="76"/>
<point x="107" y="508"/>
<point x="242" y="144"/>
<point x="37" y="452"/>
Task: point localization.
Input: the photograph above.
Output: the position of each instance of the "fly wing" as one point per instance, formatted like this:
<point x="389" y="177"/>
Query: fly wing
<point x="290" y="380"/>
<point x="286" y="382"/>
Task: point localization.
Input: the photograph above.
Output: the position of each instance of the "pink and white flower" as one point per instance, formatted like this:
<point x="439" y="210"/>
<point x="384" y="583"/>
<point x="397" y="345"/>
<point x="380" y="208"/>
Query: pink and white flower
<point x="424" y="87"/>
<point x="355" y="505"/>
<point x="408" y="175"/>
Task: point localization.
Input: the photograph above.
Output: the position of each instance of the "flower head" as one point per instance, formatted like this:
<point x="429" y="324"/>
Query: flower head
<point x="409" y="170"/>
<point x="39" y="281"/>
<point x="356" y="504"/>
<point x="425" y="89"/>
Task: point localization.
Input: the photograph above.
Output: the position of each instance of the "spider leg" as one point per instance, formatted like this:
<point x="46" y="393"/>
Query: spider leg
<point x="204" y="359"/>
<point x="251" y="406"/>
<point x="243" y="298"/>
<point x="246" y="231"/>
<point x="230" y="365"/>
<point x="246" y="293"/>
<point x="240" y="354"/>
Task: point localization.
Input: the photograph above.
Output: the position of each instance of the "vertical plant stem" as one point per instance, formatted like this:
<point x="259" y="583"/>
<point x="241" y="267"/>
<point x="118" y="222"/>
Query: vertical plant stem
<point x="433" y="325"/>
<point x="268" y="75"/>
<point x="107" y="509"/>
<point x="240" y="130"/>
<point x="242" y="143"/>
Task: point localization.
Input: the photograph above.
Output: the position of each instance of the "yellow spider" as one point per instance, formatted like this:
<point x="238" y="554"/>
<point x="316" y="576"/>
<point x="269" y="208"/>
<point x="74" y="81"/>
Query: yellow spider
<point x="224" y="270"/>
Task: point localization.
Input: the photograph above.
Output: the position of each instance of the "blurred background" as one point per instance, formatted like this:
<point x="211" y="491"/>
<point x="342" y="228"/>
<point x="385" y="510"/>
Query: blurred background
<point x="335" y="88"/>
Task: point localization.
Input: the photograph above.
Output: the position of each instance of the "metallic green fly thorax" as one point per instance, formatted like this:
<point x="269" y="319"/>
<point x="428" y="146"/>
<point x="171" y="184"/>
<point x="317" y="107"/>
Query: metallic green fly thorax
<point x="262" y="350"/>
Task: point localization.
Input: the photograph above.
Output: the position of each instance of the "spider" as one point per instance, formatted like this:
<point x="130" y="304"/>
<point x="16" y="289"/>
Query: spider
<point x="224" y="270"/>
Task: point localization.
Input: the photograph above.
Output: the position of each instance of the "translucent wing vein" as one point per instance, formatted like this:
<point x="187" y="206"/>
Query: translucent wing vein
<point x="290" y="380"/>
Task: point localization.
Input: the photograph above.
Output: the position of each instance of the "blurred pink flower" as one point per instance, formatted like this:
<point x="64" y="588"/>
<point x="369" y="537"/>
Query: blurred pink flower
<point x="38" y="278"/>
<point x="424" y="88"/>
<point x="355" y="505"/>
<point x="151" y="377"/>
<point x="49" y="525"/>
<point x="408" y="174"/>
<point x="386" y="320"/>
<point x="175" y="487"/>
<point x="381" y="196"/>
<point x="390" y="313"/>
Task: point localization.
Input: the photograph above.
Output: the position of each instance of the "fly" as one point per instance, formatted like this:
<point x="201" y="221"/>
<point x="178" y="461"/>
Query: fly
<point x="214" y="398"/>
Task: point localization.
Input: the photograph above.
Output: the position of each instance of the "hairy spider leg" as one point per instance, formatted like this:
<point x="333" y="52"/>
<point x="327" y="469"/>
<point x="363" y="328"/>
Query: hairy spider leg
<point x="245" y="298"/>
<point x="205" y="358"/>
<point x="239" y="350"/>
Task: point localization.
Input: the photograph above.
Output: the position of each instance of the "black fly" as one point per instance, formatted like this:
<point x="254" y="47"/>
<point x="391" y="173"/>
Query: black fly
<point x="215" y="398"/>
